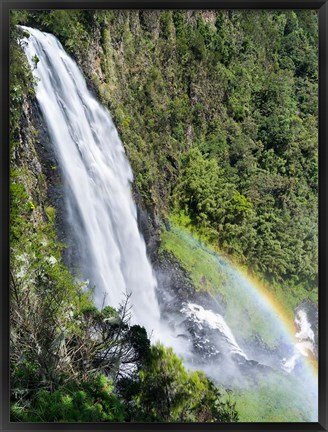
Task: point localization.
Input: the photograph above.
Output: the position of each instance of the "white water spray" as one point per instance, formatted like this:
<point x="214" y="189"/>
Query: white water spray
<point x="214" y="321"/>
<point x="98" y="179"/>
<point x="305" y="344"/>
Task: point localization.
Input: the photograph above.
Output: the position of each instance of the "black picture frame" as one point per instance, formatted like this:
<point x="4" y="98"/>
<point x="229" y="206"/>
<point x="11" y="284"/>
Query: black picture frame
<point x="322" y="7"/>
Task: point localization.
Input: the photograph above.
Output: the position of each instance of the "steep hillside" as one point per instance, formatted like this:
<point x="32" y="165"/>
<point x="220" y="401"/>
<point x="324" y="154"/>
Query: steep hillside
<point x="218" y="115"/>
<point x="217" y="112"/>
<point x="69" y="361"/>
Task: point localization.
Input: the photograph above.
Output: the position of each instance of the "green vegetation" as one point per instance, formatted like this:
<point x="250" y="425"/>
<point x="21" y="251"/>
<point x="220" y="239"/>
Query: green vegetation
<point x="90" y="401"/>
<point x="165" y="392"/>
<point x="71" y="362"/>
<point x="197" y="253"/>
<point x="242" y="309"/>
<point x="218" y="114"/>
<point x="21" y="80"/>
<point x="199" y="263"/>
<point x="269" y="401"/>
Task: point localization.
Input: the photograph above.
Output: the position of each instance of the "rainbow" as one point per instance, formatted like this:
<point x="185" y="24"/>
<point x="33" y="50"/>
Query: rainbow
<point x="260" y="290"/>
<point x="243" y="293"/>
<point x="285" y="319"/>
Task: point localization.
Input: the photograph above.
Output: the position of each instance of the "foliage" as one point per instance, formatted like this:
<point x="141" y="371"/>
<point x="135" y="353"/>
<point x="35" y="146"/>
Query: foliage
<point x="104" y="341"/>
<point x="166" y="392"/>
<point x="218" y="113"/>
<point x="269" y="401"/>
<point x="207" y="271"/>
<point x="89" y="401"/>
<point x="21" y="79"/>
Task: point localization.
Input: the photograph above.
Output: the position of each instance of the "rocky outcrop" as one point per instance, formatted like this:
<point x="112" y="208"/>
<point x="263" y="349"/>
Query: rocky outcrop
<point x="42" y="178"/>
<point x="25" y="158"/>
<point x="149" y="225"/>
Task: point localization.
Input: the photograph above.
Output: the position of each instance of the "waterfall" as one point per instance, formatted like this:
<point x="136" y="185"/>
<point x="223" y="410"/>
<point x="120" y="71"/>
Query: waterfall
<point x="215" y="321"/>
<point x="97" y="179"/>
<point x="306" y="341"/>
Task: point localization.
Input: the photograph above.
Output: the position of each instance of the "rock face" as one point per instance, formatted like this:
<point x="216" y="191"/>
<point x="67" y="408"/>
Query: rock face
<point x="173" y="281"/>
<point x="34" y="153"/>
<point x="197" y="317"/>
<point x="175" y="286"/>
<point x="42" y="176"/>
<point x="149" y="226"/>
<point x="25" y="156"/>
<point x="55" y="196"/>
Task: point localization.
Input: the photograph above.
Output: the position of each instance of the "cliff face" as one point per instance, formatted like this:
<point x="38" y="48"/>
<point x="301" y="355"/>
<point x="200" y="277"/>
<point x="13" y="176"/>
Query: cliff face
<point x="218" y="116"/>
<point x="26" y="158"/>
<point x="38" y="171"/>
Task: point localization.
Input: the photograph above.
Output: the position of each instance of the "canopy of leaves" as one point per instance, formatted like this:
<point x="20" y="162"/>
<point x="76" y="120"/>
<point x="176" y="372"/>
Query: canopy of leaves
<point x="218" y="113"/>
<point x="240" y="87"/>
<point x="165" y="391"/>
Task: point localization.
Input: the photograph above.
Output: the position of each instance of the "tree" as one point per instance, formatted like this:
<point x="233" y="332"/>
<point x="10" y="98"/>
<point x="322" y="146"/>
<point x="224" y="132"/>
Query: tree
<point x="92" y="400"/>
<point x="200" y="190"/>
<point x="165" y="391"/>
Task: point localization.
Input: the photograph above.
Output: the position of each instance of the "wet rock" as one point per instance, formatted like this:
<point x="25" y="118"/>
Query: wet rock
<point x="251" y="368"/>
<point x="167" y="225"/>
<point x="149" y="227"/>
<point x="25" y="156"/>
<point x="172" y="278"/>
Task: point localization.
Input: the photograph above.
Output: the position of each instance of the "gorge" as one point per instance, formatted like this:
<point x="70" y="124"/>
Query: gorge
<point x="239" y="332"/>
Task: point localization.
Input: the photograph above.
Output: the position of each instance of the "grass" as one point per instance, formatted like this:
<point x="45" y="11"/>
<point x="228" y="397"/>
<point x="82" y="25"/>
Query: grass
<point x="288" y="294"/>
<point x="275" y="399"/>
<point x="245" y="308"/>
<point x="201" y="265"/>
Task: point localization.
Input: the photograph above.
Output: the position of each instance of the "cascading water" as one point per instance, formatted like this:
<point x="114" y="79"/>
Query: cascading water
<point x="112" y="252"/>
<point x="241" y="339"/>
<point x="97" y="178"/>
<point x="306" y="341"/>
<point x="201" y="316"/>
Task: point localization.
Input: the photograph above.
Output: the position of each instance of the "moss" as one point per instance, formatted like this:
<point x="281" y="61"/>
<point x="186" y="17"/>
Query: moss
<point x="30" y="206"/>
<point x="51" y="213"/>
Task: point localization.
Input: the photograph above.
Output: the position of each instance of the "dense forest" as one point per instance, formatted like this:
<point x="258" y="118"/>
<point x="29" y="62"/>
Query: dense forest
<point x="218" y="112"/>
<point x="231" y="94"/>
